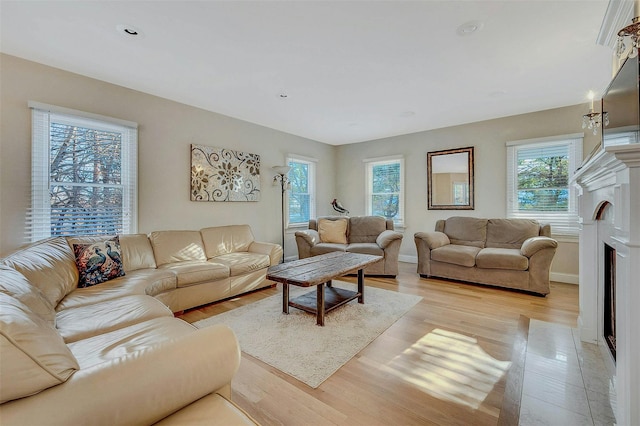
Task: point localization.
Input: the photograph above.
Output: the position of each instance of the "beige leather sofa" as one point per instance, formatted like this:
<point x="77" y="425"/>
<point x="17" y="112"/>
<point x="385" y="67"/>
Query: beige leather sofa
<point x="512" y="253"/>
<point x="360" y="234"/>
<point x="113" y="353"/>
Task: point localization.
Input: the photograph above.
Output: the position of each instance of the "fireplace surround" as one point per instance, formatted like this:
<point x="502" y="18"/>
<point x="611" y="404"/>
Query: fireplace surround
<point x="609" y="209"/>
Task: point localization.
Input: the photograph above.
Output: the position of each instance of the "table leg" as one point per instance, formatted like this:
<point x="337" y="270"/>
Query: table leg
<point x="329" y="284"/>
<point x="320" y="305"/>
<point x="361" y="285"/>
<point x="285" y="298"/>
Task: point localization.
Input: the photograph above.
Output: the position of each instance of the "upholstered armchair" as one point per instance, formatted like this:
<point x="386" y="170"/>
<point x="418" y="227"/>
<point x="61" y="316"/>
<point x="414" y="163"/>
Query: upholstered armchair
<point x="359" y="234"/>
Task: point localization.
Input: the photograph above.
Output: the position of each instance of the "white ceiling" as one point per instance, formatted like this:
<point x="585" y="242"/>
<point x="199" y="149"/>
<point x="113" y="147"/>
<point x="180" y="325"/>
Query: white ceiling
<point x="352" y="70"/>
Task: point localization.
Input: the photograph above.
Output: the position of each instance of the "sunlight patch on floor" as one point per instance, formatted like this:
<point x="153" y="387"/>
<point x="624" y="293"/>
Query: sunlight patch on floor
<point x="451" y="367"/>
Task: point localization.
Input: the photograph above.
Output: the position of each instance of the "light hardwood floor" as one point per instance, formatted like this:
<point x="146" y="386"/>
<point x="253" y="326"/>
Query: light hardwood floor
<point x="402" y="378"/>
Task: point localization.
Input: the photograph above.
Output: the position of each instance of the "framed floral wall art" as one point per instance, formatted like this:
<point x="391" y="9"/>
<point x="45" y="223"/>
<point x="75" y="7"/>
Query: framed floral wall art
<point x="219" y="174"/>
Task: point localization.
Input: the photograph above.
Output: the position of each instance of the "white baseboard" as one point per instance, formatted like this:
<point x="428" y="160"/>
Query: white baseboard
<point x="564" y="278"/>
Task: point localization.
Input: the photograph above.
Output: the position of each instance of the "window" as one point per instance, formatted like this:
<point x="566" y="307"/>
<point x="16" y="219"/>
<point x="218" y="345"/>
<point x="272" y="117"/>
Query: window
<point x="83" y="174"/>
<point x="302" y="203"/>
<point x="385" y="188"/>
<point x="538" y="181"/>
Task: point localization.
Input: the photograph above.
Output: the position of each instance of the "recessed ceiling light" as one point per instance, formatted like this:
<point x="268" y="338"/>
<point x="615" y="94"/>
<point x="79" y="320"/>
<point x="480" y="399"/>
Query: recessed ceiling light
<point x="129" y="31"/>
<point x="497" y="94"/>
<point x="469" y="28"/>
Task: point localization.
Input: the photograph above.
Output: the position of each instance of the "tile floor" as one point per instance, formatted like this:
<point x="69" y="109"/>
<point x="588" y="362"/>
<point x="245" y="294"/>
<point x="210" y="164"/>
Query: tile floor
<point x="566" y="382"/>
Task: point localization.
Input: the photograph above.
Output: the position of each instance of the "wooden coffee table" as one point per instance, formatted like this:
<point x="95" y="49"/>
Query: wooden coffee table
<point x="318" y="271"/>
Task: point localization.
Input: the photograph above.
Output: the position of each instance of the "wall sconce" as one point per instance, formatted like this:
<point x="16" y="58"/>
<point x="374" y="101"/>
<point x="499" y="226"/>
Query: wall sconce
<point x="593" y="119"/>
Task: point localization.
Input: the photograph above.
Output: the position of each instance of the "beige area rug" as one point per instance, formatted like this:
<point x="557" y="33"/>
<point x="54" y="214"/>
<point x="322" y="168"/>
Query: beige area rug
<point x="294" y="343"/>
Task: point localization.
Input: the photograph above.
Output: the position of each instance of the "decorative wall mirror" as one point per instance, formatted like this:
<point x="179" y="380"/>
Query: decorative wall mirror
<point x="450" y="179"/>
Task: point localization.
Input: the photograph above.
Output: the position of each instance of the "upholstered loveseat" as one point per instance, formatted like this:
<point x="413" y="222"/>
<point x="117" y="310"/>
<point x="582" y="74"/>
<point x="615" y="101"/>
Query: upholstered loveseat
<point x="358" y="234"/>
<point x="512" y="253"/>
<point x="113" y="353"/>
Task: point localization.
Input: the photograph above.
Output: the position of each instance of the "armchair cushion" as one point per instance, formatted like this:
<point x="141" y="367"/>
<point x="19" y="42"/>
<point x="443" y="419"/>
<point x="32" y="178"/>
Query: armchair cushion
<point x="365" y="229"/>
<point x="467" y="231"/>
<point x="333" y="231"/>
<point x="509" y="233"/>
<point x="456" y="254"/>
<point x="502" y="258"/>
<point x="366" y="248"/>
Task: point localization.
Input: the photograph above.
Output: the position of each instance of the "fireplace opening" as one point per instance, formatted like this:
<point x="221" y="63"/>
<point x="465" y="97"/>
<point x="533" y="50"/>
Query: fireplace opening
<point x="610" y="298"/>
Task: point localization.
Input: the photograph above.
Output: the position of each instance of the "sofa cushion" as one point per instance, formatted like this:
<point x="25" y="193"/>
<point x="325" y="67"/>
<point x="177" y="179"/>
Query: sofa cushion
<point x="366" y="248"/>
<point x="49" y="265"/>
<point x="14" y="284"/>
<point x="151" y="282"/>
<point x="468" y="231"/>
<point x="322" y="248"/>
<point x="333" y="231"/>
<point x="98" y="262"/>
<point x="240" y="263"/>
<point x="34" y="356"/>
<point x="98" y="318"/>
<point x="456" y="254"/>
<point x="365" y="229"/>
<point x="177" y="246"/>
<point x="226" y="239"/>
<point x="194" y="272"/>
<point x="510" y="233"/>
<point x="502" y="258"/>
<point x="115" y="344"/>
<point x="136" y="252"/>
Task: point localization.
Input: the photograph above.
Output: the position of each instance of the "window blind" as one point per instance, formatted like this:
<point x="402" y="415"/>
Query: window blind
<point x="84" y="174"/>
<point x="385" y="188"/>
<point x="538" y="182"/>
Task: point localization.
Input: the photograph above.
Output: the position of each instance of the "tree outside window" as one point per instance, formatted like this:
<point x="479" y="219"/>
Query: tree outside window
<point x="385" y="184"/>
<point x="543" y="179"/>
<point x="301" y="194"/>
<point x="539" y="173"/>
<point x="83" y="174"/>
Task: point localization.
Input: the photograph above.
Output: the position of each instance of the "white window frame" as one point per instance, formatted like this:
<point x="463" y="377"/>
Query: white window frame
<point x="39" y="218"/>
<point x="312" y="164"/>
<point x="370" y="163"/>
<point x="562" y="223"/>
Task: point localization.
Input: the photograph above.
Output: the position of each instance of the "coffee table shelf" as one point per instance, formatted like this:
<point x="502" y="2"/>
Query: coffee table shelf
<point x="333" y="298"/>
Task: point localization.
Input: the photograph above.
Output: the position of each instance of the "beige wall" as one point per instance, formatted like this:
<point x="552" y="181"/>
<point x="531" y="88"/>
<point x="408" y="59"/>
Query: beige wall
<point x="488" y="138"/>
<point x="166" y="129"/>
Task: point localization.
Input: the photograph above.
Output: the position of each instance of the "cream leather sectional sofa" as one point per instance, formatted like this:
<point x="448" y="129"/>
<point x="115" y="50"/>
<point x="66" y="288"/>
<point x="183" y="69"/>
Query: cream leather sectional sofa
<point x="512" y="253"/>
<point x="114" y="353"/>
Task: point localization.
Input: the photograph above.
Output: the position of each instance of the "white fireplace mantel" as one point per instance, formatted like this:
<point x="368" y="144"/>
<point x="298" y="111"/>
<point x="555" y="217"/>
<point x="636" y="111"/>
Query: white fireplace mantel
<point x="611" y="179"/>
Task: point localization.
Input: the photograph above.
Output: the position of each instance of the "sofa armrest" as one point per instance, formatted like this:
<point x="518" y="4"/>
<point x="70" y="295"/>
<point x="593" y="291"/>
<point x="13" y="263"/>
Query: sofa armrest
<point x="434" y="239"/>
<point x="387" y="237"/>
<point x="274" y="251"/>
<point x="310" y="236"/>
<point x="138" y="388"/>
<point x="305" y="240"/>
<point x="533" y="245"/>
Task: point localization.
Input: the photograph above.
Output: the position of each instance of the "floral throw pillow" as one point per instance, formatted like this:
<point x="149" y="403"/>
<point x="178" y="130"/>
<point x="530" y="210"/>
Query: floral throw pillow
<point x="98" y="262"/>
